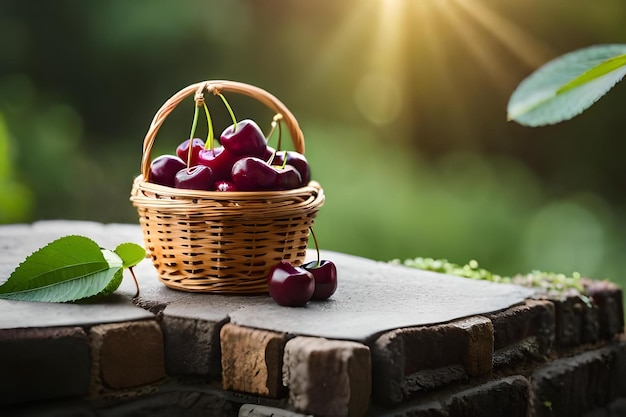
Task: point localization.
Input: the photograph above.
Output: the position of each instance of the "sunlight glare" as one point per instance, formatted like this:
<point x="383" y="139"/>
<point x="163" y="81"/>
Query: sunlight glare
<point x="378" y="97"/>
<point x="529" y="50"/>
<point x="427" y="54"/>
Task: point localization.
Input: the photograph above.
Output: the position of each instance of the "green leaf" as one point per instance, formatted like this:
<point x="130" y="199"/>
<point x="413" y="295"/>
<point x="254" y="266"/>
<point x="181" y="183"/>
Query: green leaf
<point x="567" y="85"/>
<point x="68" y="269"/>
<point x="115" y="262"/>
<point x="131" y="254"/>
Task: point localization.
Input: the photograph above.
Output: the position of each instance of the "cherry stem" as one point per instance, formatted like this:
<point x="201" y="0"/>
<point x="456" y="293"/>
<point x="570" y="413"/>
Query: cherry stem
<point x="135" y="279"/>
<point x="317" y="248"/>
<point x="271" y="132"/>
<point x="191" y="135"/>
<point x="272" y="156"/>
<point x="230" y="111"/>
<point x="277" y="120"/>
<point x="210" y="135"/>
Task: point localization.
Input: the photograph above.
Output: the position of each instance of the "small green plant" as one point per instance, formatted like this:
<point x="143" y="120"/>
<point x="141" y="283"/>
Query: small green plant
<point x="551" y="282"/>
<point x="567" y="85"/>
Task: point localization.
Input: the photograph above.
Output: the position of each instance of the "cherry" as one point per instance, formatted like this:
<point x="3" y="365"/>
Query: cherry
<point x="163" y="169"/>
<point x="325" y="275"/>
<point x="298" y="161"/>
<point x="287" y="178"/>
<point x="244" y="138"/>
<point x="324" y="272"/>
<point x="198" y="177"/>
<point x="225" y="186"/>
<point x="182" y="150"/>
<point x="251" y="173"/>
<point x="267" y="155"/>
<point x="289" y="285"/>
<point x="219" y="160"/>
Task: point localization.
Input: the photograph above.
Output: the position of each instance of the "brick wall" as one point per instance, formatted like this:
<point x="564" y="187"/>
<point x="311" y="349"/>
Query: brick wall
<point x="540" y="358"/>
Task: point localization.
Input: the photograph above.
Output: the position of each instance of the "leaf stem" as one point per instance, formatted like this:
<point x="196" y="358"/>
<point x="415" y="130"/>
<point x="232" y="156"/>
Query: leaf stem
<point x="136" y="282"/>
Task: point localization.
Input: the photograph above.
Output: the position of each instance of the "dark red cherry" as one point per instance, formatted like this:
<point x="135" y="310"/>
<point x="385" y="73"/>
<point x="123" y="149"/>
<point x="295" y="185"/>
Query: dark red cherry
<point x="251" y="173"/>
<point x="198" y="177"/>
<point x="246" y="139"/>
<point x="287" y="178"/>
<point x="325" y="274"/>
<point x="164" y="168"/>
<point x="225" y="186"/>
<point x="298" y="161"/>
<point x="267" y="155"/>
<point x="219" y="160"/>
<point x="290" y="285"/>
<point x="182" y="150"/>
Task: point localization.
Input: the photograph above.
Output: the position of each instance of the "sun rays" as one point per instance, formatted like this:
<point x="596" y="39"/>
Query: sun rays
<point x="425" y="44"/>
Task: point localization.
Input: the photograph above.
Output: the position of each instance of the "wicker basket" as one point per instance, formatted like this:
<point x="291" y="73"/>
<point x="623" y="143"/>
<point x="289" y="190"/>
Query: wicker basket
<point x="223" y="242"/>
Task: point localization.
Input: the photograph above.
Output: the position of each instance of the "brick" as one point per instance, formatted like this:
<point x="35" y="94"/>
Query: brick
<point x="477" y="358"/>
<point x="255" y="410"/>
<point x="417" y="409"/>
<point x="576" y="323"/>
<point x="522" y="334"/>
<point x="192" y="347"/>
<point x="328" y="377"/>
<point x="252" y="360"/>
<point x="43" y="363"/>
<point x="578" y="384"/>
<point x="620" y="369"/>
<point x="504" y="397"/>
<point x="191" y="401"/>
<point x="127" y="355"/>
<point x="608" y="297"/>
<point x="413" y="360"/>
<point x="507" y="396"/>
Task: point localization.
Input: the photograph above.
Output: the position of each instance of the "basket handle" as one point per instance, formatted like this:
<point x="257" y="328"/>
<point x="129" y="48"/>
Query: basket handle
<point x="217" y="87"/>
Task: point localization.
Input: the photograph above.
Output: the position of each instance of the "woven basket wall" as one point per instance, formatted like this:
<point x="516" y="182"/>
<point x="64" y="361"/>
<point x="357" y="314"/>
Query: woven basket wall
<point x="223" y="242"/>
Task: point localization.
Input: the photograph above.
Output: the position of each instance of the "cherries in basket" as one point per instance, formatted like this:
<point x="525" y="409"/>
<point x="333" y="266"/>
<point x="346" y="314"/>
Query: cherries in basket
<point x="243" y="160"/>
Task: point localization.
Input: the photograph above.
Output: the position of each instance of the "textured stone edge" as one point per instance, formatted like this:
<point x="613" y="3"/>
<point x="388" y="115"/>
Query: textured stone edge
<point x="328" y="377"/>
<point x="580" y="383"/>
<point x="192" y="346"/>
<point x="523" y="334"/>
<point x="409" y="361"/>
<point x="32" y="359"/>
<point x="252" y="360"/>
<point x="126" y="357"/>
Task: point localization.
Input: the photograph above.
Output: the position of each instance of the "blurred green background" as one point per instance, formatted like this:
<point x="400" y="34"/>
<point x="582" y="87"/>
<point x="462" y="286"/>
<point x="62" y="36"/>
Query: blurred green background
<point x="402" y="103"/>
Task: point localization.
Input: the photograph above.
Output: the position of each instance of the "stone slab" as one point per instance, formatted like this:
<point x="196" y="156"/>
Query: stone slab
<point x="22" y="314"/>
<point x="17" y="241"/>
<point x="372" y="296"/>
